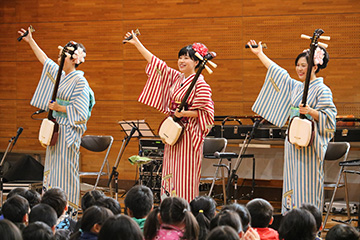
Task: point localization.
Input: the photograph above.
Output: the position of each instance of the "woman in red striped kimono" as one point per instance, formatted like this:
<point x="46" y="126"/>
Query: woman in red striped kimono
<point x="164" y="90"/>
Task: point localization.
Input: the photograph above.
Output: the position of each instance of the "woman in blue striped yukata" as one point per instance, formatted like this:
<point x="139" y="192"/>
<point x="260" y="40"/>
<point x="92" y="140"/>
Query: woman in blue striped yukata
<point x="281" y="97"/>
<point x="72" y="110"/>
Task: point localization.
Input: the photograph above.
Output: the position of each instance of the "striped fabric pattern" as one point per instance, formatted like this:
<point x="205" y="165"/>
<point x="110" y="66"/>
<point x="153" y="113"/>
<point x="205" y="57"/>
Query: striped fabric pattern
<point x="62" y="160"/>
<point x="182" y="160"/>
<point x="303" y="167"/>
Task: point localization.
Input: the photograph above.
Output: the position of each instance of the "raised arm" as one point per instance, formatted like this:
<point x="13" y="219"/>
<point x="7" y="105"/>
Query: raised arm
<point x="41" y="56"/>
<point x="136" y="42"/>
<point x="259" y="53"/>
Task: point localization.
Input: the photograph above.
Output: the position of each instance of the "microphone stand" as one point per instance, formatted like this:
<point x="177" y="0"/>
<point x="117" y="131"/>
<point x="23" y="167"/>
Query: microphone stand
<point x="114" y="172"/>
<point x="1" y="169"/>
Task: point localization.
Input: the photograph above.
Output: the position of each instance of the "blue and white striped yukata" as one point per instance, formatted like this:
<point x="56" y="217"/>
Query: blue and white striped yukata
<point x="303" y="167"/>
<point x="62" y="160"/>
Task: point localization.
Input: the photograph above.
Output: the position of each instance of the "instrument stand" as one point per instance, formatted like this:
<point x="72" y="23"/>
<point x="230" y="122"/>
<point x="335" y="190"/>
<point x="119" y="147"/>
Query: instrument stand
<point x="1" y="170"/>
<point x="233" y="176"/>
<point x="132" y="129"/>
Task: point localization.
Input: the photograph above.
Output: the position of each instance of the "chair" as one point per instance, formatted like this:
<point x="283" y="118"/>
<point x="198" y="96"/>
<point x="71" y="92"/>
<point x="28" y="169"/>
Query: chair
<point x="336" y="151"/>
<point x="97" y="144"/>
<point x="211" y="146"/>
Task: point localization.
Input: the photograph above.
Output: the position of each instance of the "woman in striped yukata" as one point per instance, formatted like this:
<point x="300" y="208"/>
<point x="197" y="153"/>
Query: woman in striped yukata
<point x="281" y="97"/>
<point x="164" y="90"/>
<point x="72" y="110"/>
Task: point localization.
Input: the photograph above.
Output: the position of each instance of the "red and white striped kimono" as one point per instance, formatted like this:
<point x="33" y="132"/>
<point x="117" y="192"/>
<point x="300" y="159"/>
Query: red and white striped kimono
<point x="183" y="160"/>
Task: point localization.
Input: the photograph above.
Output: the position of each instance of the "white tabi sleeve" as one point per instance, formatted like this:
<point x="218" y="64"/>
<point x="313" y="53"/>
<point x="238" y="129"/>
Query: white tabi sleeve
<point x="45" y="87"/>
<point x="156" y="92"/>
<point x="273" y="102"/>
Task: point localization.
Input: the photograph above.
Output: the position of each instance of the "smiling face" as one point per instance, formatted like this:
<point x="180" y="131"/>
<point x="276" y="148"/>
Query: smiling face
<point x="301" y="68"/>
<point x="187" y="65"/>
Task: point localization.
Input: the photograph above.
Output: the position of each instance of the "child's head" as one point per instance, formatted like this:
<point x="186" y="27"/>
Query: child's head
<point x="139" y="201"/>
<point x="56" y="198"/>
<point x="227" y="218"/>
<point x="120" y="227"/>
<point x="43" y="213"/>
<point x="90" y="198"/>
<point x="109" y="203"/>
<point x="16" y="209"/>
<point x="297" y="224"/>
<point x="172" y="211"/>
<point x="203" y="208"/>
<point x="33" y="197"/>
<point x="38" y="231"/>
<point x="93" y="219"/>
<point x="16" y="191"/>
<point x="315" y="212"/>
<point x="223" y="233"/>
<point x="261" y="212"/>
<point x="9" y="231"/>
<point x="342" y="232"/>
<point x="243" y="213"/>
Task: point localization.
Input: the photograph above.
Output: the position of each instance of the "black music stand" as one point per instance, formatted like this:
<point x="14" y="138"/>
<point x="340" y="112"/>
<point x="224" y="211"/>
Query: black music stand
<point x="131" y="128"/>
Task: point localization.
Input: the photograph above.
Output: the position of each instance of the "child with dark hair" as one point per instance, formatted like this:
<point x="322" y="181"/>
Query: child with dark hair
<point x="90" y="198"/>
<point x="16" y="191"/>
<point x="109" y="203"/>
<point x="223" y="233"/>
<point x="91" y="223"/>
<point x="297" y="224"/>
<point x="57" y="199"/>
<point x="9" y="231"/>
<point x="203" y="208"/>
<point x="342" y="232"/>
<point x="172" y="220"/>
<point x="16" y="209"/>
<point x="139" y="201"/>
<point x="317" y="215"/>
<point x="243" y="213"/>
<point x="120" y="227"/>
<point x="227" y="218"/>
<point x="261" y="213"/>
<point x="33" y="197"/>
<point x="44" y="213"/>
<point x="38" y="231"/>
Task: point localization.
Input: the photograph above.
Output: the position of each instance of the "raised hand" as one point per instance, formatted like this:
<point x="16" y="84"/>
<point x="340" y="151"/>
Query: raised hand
<point x="133" y="39"/>
<point x="28" y="37"/>
<point x="257" y="50"/>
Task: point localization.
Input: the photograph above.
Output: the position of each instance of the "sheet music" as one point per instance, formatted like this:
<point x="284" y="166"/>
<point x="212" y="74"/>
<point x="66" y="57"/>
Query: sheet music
<point x="143" y="128"/>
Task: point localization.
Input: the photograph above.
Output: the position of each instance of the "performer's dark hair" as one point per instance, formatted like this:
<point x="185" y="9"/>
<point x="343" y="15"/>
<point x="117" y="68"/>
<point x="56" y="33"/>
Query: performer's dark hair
<point x="223" y="233"/>
<point x="203" y="208"/>
<point x="15" y="208"/>
<point x="109" y="203"/>
<point x="56" y="198"/>
<point x="189" y="51"/>
<point x="306" y="55"/>
<point x="261" y="212"/>
<point x="342" y="232"/>
<point x="38" y="231"/>
<point x="315" y="212"/>
<point x="43" y="213"/>
<point x="243" y="213"/>
<point x="139" y="199"/>
<point x="90" y="198"/>
<point x="173" y="210"/>
<point x="120" y="227"/>
<point x="297" y="224"/>
<point x="227" y="218"/>
<point x="9" y="231"/>
<point x="93" y="215"/>
<point x="75" y="46"/>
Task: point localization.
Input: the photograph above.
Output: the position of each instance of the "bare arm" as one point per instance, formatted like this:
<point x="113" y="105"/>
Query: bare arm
<point x="41" y="56"/>
<point x="260" y="54"/>
<point x="136" y="42"/>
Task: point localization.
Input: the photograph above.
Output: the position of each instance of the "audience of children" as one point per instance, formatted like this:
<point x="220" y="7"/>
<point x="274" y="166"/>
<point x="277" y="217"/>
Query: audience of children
<point x="120" y="227"/>
<point x="261" y="213"/>
<point x="204" y="209"/>
<point x="173" y="219"/>
<point x="139" y="201"/>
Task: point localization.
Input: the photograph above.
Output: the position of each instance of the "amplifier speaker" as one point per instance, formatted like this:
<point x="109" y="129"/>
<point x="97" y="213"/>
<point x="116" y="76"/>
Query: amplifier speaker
<point x="19" y="167"/>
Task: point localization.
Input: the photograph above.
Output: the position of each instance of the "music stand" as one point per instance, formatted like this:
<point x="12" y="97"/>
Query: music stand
<point x="131" y="128"/>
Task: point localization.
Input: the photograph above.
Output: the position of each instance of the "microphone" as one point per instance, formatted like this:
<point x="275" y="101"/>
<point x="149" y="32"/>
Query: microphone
<point x="255" y="126"/>
<point x="19" y="131"/>
<point x="39" y="111"/>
